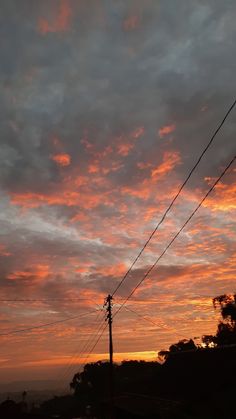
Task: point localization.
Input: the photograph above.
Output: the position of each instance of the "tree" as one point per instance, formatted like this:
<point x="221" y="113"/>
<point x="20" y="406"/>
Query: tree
<point x="209" y="341"/>
<point x="181" y="346"/>
<point x="227" y="305"/>
<point x="93" y="380"/>
<point x="226" y="330"/>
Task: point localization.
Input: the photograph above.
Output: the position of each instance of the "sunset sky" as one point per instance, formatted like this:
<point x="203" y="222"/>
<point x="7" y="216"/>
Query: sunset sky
<point x="105" y="107"/>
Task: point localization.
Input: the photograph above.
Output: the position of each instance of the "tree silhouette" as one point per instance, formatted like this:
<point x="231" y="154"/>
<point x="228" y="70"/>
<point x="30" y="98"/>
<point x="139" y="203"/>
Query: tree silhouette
<point x="225" y="334"/>
<point x="227" y="305"/>
<point x="209" y="341"/>
<point x="180" y="346"/>
<point x="226" y="330"/>
<point x="92" y="381"/>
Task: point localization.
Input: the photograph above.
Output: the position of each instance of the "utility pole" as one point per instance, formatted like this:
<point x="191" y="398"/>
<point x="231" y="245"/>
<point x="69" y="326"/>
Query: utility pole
<point x="108" y="305"/>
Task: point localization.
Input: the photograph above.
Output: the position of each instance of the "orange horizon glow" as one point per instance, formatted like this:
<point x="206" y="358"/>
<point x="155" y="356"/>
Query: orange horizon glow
<point x="104" y="122"/>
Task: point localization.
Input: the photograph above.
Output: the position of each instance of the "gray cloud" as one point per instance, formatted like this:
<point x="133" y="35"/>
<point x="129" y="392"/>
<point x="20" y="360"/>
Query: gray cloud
<point x="84" y="92"/>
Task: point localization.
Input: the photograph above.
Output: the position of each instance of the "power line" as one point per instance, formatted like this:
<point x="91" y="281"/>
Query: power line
<point x="137" y="257"/>
<point x="177" y="234"/>
<point x="79" y="351"/>
<point x="175" y="198"/>
<point x="47" y="324"/>
<point x="142" y="316"/>
<point x="152" y="267"/>
<point x="97" y="337"/>
<point x="43" y="300"/>
<point x="95" y="344"/>
<point x="83" y="348"/>
<point x="148" y="319"/>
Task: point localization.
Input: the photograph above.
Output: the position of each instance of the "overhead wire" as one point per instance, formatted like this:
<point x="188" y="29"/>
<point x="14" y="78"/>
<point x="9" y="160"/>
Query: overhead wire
<point x="43" y="300"/>
<point x="95" y="344"/>
<point x="102" y="329"/>
<point x="148" y="319"/>
<point x="143" y="316"/>
<point x="28" y="329"/>
<point x="81" y="349"/>
<point x="175" y="197"/>
<point x="177" y="234"/>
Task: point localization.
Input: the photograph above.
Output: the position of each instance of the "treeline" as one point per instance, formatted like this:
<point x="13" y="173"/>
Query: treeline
<point x="194" y="381"/>
<point x="225" y="334"/>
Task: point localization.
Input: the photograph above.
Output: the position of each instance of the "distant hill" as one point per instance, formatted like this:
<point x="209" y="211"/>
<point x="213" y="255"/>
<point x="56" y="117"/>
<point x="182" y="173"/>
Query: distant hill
<point x="32" y="385"/>
<point x="37" y="391"/>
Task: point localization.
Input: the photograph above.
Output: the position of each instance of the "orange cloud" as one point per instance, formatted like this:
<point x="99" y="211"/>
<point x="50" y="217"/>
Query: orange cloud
<point x="124" y="149"/>
<point x="34" y="200"/>
<point x="22" y="275"/>
<point x="36" y="272"/>
<point x="224" y="198"/>
<point x="131" y="23"/>
<point x="82" y="270"/>
<point x="62" y="159"/>
<point x="61" y="22"/>
<point x="168" y="129"/>
<point x="80" y="216"/>
<point x="44" y="27"/>
<point x="170" y="160"/>
<point x="125" y="146"/>
<point x="86" y="143"/>
<point x="217" y="247"/>
<point x="107" y="150"/>
<point x="115" y="270"/>
<point x="93" y="168"/>
<point x="142" y="191"/>
<point x="67" y="196"/>
<point x="138" y="132"/>
<point x="143" y="166"/>
<point x="56" y="141"/>
<point x="3" y="251"/>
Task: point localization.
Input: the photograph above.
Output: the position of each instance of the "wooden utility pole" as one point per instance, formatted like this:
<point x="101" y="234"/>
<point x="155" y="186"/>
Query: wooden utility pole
<point x="108" y="305"/>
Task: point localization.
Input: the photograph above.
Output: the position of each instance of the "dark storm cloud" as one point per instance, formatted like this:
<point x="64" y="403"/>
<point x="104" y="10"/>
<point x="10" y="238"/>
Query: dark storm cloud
<point x="116" y="67"/>
<point x="105" y="107"/>
<point x="88" y="78"/>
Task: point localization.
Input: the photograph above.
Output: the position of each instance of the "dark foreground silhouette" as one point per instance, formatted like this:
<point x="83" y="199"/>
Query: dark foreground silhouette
<point x="193" y="382"/>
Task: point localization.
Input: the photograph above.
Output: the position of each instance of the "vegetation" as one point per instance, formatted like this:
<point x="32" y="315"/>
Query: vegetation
<point x="225" y="334"/>
<point x="195" y="381"/>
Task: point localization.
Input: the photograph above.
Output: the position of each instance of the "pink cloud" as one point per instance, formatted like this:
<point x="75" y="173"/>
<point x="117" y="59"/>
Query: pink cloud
<point x="61" y="23"/>
<point x="167" y="129"/>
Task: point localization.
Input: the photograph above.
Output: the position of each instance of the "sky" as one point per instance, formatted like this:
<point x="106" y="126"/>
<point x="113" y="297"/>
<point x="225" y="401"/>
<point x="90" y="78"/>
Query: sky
<point x="105" y="108"/>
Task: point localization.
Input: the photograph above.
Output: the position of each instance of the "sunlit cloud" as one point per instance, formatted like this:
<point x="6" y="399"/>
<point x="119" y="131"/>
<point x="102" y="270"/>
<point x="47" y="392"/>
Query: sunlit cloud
<point x="224" y="198"/>
<point x="124" y="149"/>
<point x="4" y="251"/>
<point x="38" y="273"/>
<point x="166" y="130"/>
<point x="62" y="159"/>
<point x="60" y="23"/>
<point x="170" y="161"/>
<point x="131" y="23"/>
<point x="104" y="118"/>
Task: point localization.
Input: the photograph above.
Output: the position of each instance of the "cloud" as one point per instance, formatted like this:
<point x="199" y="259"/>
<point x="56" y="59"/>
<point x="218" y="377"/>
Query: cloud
<point x="105" y="109"/>
<point x="131" y="23"/>
<point x="170" y="160"/>
<point x="40" y="272"/>
<point x="224" y="198"/>
<point x="62" y="159"/>
<point x="60" y="23"/>
<point x="167" y="129"/>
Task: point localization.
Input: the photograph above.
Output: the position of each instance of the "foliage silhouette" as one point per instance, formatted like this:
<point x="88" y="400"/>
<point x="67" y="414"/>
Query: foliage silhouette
<point x="226" y="330"/>
<point x="180" y="346"/>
